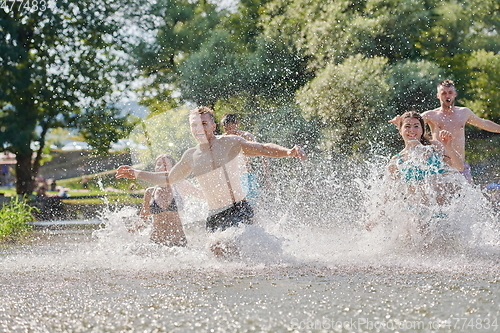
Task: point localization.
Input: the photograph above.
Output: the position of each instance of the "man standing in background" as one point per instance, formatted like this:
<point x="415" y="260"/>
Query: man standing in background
<point x="249" y="182"/>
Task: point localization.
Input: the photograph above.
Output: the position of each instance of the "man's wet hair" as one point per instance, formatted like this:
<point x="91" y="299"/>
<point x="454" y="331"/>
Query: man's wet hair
<point x="446" y="83"/>
<point x="203" y="110"/>
<point x="229" y="118"/>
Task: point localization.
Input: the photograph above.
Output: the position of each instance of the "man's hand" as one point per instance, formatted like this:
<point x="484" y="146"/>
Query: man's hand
<point x="396" y="121"/>
<point x="125" y="171"/>
<point x="296" y="151"/>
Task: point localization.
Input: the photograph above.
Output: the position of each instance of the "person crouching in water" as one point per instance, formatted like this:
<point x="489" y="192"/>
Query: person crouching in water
<point x="163" y="204"/>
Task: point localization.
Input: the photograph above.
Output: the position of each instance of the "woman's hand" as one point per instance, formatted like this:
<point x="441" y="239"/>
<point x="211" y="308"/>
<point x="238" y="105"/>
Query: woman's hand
<point x="445" y="137"/>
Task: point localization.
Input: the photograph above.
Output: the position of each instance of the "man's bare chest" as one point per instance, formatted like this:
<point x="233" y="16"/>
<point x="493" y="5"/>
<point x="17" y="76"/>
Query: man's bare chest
<point x="209" y="160"/>
<point x="449" y="122"/>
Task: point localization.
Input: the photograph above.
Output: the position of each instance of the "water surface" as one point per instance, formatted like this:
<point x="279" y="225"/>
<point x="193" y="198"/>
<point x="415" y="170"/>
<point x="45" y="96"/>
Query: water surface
<point x="301" y="268"/>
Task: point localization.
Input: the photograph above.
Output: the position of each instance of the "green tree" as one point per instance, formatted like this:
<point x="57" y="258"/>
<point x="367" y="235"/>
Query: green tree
<point x="329" y="31"/>
<point x="353" y="102"/>
<point x="244" y="24"/>
<point x="213" y="72"/>
<point x="484" y="83"/>
<point x="460" y="27"/>
<point x="179" y="28"/>
<point x="103" y="126"/>
<point x="396" y="29"/>
<point x="414" y="85"/>
<point x="222" y="69"/>
<point x="59" y="64"/>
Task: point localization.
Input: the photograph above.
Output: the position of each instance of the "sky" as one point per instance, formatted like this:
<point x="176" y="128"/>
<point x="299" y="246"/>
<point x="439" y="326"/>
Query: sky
<point x="228" y="4"/>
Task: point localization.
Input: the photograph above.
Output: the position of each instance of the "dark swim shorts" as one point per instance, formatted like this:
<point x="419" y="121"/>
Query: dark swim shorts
<point x="239" y="212"/>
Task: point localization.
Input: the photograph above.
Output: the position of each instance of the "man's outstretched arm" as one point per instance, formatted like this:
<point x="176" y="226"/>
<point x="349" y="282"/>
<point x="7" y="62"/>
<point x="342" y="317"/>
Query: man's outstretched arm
<point x="484" y="124"/>
<point x="157" y="178"/>
<point x="179" y="172"/>
<point x="271" y="150"/>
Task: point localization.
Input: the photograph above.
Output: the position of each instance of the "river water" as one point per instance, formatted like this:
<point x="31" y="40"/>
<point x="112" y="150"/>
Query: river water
<point x="301" y="268"/>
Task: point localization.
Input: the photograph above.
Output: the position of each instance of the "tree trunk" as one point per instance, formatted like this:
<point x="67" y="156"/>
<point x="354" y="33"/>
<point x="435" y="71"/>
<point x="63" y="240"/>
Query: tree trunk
<point x="24" y="180"/>
<point x="38" y="157"/>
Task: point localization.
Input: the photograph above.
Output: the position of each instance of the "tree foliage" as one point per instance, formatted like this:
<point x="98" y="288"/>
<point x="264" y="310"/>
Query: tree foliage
<point x="213" y="72"/>
<point x="353" y="101"/>
<point x="396" y="29"/>
<point x="178" y="28"/>
<point x="58" y="64"/>
<point x="222" y="69"/>
<point x="103" y="126"/>
<point x="414" y="85"/>
<point x="485" y="73"/>
<point x="329" y="31"/>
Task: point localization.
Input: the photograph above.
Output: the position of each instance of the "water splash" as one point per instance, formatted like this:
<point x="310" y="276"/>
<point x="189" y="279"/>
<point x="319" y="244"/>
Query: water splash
<point x="321" y="221"/>
<point x="307" y="260"/>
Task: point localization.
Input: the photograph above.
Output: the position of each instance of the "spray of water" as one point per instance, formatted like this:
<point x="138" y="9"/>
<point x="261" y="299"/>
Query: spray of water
<point x="316" y="212"/>
<point x="332" y="214"/>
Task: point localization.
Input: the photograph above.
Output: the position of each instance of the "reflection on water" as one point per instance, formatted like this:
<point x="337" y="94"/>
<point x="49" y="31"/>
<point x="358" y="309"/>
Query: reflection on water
<point x="308" y="265"/>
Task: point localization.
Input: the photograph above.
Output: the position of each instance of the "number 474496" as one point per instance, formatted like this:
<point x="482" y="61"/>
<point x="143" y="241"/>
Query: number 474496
<point x="23" y="5"/>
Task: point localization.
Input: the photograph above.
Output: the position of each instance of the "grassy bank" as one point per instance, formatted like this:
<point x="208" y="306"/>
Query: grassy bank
<point x="14" y="216"/>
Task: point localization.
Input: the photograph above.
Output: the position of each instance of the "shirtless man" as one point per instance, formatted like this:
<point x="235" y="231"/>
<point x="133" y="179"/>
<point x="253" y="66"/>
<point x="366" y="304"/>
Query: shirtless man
<point x="453" y="118"/>
<point x="230" y="124"/>
<point x="215" y="165"/>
